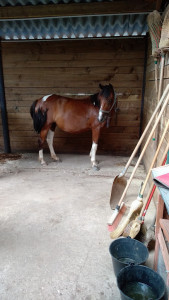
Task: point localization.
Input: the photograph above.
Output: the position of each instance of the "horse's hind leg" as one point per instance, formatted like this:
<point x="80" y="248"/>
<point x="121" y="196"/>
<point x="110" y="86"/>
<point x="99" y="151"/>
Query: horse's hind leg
<point x="41" y="140"/>
<point x="50" y="137"/>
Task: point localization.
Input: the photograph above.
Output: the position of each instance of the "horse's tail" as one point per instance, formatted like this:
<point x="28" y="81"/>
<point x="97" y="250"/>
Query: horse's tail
<point x="39" y="117"/>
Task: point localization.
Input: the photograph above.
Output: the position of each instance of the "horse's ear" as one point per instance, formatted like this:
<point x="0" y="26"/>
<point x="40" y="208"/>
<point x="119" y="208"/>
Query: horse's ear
<point x="110" y="85"/>
<point x="100" y="86"/>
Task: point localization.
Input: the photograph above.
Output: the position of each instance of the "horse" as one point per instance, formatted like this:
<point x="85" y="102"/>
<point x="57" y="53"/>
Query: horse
<point x="70" y="115"/>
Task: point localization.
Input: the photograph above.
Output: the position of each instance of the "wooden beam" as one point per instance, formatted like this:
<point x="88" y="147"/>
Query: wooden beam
<point x="158" y="4"/>
<point x="165" y="253"/>
<point x="76" y="9"/>
<point x="165" y="226"/>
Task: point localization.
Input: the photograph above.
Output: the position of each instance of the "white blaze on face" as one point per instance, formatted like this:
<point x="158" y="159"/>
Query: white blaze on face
<point x="46" y="97"/>
<point x="100" y="115"/>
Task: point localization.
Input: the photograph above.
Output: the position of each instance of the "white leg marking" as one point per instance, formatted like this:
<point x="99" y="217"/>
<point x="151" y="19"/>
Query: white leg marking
<point x="49" y="139"/>
<point x="93" y="154"/>
<point x="41" y="157"/>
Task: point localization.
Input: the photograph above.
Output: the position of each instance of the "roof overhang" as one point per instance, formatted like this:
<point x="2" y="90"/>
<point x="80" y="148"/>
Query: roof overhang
<point x="108" y="26"/>
<point x="79" y="19"/>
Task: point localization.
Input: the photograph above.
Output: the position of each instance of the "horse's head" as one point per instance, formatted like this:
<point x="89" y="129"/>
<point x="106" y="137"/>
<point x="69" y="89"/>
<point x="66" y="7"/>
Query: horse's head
<point x="107" y="99"/>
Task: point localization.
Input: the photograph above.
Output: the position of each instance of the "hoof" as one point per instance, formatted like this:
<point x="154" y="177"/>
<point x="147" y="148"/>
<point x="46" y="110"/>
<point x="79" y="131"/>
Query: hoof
<point x="58" y="160"/>
<point x="96" y="168"/>
<point x="55" y="158"/>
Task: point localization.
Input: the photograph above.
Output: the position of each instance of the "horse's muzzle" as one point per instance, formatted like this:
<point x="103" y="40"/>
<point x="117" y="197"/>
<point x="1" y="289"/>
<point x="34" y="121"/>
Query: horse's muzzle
<point x="101" y="117"/>
<point x="101" y="120"/>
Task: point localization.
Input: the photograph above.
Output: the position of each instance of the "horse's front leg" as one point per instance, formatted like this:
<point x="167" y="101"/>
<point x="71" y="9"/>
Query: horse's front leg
<point x="50" y="137"/>
<point x="95" y="136"/>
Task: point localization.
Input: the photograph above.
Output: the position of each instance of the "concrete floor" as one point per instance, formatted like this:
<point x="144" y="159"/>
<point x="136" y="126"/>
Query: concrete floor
<point x="54" y="241"/>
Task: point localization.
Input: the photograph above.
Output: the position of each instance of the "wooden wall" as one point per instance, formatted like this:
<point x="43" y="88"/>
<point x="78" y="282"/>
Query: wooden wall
<point x="35" y="69"/>
<point x="151" y="102"/>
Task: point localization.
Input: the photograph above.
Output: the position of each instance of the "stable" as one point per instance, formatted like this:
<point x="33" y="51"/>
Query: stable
<point x="69" y="48"/>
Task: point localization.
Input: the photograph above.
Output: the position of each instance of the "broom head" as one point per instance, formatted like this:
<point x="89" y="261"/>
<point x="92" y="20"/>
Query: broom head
<point x="134" y="209"/>
<point x="135" y="228"/>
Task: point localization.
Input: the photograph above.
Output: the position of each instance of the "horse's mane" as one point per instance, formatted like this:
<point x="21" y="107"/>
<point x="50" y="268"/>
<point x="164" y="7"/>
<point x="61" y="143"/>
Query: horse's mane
<point x="94" y="100"/>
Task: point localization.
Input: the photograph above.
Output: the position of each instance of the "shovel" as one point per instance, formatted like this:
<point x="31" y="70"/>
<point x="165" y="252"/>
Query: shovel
<point x="120" y="181"/>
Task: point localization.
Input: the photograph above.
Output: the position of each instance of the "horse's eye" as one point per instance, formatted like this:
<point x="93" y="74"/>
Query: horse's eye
<point x="109" y="101"/>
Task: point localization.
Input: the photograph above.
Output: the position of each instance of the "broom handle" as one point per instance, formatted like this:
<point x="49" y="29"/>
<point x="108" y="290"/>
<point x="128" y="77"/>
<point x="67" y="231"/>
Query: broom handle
<point x="144" y="149"/>
<point x="152" y="188"/>
<point x="161" y="76"/>
<point x="144" y="132"/>
<point x="156" y="74"/>
<point x="153" y="161"/>
<point x="159" y="94"/>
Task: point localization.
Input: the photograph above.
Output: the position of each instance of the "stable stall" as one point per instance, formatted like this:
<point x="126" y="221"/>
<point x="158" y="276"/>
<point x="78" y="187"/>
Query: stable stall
<point x="69" y="49"/>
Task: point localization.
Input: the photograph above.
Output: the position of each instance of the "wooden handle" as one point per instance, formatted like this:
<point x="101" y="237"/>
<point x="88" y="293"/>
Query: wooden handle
<point x="156" y="75"/>
<point x="154" y="158"/>
<point x="144" y="149"/>
<point x="161" y="77"/>
<point x="145" y="130"/>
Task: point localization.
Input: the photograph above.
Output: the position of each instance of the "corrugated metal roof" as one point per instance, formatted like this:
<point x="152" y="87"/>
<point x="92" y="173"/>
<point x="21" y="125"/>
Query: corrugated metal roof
<point x="74" y="27"/>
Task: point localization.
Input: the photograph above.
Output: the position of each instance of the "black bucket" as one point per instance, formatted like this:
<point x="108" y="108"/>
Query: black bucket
<point x="126" y="251"/>
<point x="140" y="283"/>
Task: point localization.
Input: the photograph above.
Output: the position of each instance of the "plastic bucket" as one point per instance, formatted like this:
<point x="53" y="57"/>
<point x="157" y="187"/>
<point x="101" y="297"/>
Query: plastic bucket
<point x="140" y="283"/>
<point x="126" y="251"/>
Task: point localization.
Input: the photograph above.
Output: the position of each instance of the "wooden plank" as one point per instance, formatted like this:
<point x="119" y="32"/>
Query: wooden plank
<point x="50" y="82"/>
<point x="38" y="92"/>
<point x="59" y="77"/>
<point x="76" y="9"/>
<point x="129" y="131"/>
<point x="158" y="5"/>
<point x="35" y="55"/>
<point x="74" y="46"/>
<point x="165" y="253"/>
<point x="165" y="227"/>
<point x="122" y="70"/>
<point x="12" y="63"/>
<point x="151" y="76"/>
<point x="66" y="147"/>
<point x="159" y="215"/>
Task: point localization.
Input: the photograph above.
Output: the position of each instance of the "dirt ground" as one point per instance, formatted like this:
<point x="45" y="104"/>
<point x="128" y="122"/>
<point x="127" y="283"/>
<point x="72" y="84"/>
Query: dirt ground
<point x="54" y="241"/>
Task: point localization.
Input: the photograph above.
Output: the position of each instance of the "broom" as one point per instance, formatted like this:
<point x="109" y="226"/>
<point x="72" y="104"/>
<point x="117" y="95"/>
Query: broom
<point x="135" y="228"/>
<point x="154" y="22"/>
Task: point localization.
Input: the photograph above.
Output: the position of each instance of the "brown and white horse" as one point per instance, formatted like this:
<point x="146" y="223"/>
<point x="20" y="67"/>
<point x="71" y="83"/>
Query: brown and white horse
<point x="73" y="116"/>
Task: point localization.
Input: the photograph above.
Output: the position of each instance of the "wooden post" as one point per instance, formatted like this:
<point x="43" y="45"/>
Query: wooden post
<point x="7" y="148"/>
